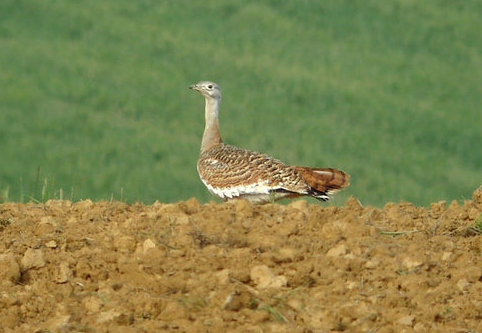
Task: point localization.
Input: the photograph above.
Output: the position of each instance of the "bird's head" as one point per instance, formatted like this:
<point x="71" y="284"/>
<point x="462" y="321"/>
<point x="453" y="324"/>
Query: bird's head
<point x="208" y="89"/>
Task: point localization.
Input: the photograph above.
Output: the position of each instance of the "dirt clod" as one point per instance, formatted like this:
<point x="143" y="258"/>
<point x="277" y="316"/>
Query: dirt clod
<point x="32" y="259"/>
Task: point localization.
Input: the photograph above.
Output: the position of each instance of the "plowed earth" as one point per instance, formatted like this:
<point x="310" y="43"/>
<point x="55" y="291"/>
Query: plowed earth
<point x="232" y="267"/>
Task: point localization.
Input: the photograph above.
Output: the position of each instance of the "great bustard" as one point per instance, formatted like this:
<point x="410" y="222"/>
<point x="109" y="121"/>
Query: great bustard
<point x="230" y="172"/>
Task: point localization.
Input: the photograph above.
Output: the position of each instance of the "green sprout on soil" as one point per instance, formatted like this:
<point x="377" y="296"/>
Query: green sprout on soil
<point x="275" y="313"/>
<point x="475" y="229"/>
<point x="478" y="224"/>
<point x="195" y="303"/>
<point x="444" y="315"/>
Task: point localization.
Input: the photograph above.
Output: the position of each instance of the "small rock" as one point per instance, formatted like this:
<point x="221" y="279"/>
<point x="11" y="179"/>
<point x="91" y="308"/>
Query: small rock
<point x="264" y="278"/>
<point x="337" y="251"/>
<point x="407" y="320"/>
<point x="51" y="244"/>
<point x="32" y="259"/>
<point x="463" y="285"/>
<point x="124" y="244"/>
<point x="446" y="256"/>
<point x="409" y="263"/>
<point x="351" y="285"/>
<point x="258" y="317"/>
<point x="92" y="304"/>
<point x="296" y="304"/>
<point x="222" y="276"/>
<point x="147" y="245"/>
<point x="46" y="225"/>
<point x="284" y="255"/>
<point x="64" y="274"/>
<point x="419" y="328"/>
<point x="173" y="310"/>
<point x="373" y="263"/>
<point x="107" y="316"/>
<point x="72" y="220"/>
<point x="179" y="219"/>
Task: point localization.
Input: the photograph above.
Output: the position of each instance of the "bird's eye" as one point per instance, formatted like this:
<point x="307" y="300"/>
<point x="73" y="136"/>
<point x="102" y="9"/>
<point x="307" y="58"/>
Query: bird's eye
<point x="210" y="86"/>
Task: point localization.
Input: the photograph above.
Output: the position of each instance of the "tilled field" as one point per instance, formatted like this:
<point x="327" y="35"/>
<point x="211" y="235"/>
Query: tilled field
<point x="232" y="267"/>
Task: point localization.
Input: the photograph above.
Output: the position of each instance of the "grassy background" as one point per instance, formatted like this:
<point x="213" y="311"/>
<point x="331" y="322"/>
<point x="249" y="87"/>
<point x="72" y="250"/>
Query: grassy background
<point x="94" y="100"/>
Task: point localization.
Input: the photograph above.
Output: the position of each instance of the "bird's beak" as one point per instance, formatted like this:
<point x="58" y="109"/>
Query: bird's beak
<point x="194" y="87"/>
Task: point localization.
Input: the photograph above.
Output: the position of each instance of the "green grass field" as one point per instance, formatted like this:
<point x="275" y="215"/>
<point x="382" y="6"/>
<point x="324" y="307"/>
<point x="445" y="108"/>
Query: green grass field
<point x="94" y="99"/>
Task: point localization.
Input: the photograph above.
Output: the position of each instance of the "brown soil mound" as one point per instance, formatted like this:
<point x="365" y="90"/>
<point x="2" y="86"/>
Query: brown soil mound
<point x="233" y="267"/>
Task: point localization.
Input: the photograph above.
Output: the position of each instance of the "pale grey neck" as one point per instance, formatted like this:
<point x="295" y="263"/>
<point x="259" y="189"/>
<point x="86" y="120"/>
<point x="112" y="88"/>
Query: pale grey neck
<point x="211" y="136"/>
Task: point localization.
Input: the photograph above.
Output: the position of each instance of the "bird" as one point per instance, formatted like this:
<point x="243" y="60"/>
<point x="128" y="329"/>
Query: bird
<point x="230" y="172"/>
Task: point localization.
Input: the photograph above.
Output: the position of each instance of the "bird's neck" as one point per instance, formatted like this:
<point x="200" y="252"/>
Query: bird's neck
<point x="211" y="136"/>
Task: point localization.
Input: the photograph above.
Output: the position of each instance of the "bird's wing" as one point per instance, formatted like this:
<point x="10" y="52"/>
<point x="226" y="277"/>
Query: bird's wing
<point x="226" y="166"/>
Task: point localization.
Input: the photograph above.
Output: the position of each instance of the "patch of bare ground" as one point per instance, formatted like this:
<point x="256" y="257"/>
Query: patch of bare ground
<point x="232" y="267"/>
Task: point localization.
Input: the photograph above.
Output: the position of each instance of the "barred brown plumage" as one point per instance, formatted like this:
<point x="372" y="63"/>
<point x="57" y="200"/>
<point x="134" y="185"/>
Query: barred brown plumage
<point x="230" y="172"/>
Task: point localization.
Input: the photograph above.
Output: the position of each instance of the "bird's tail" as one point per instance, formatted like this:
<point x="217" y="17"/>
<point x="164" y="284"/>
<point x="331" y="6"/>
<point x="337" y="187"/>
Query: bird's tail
<point x="324" y="181"/>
